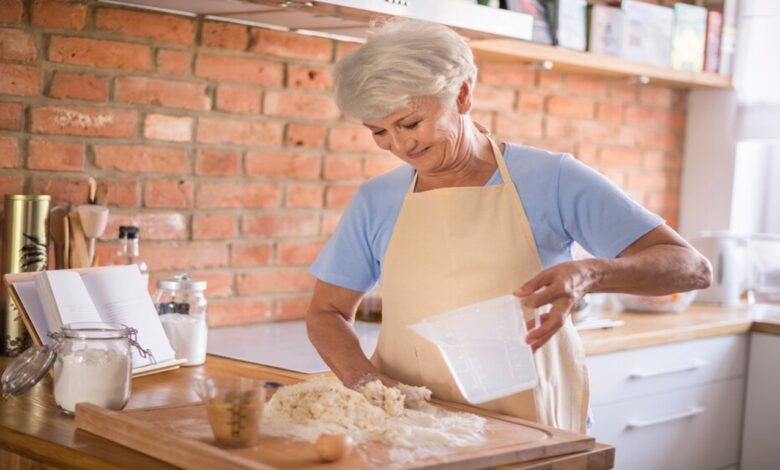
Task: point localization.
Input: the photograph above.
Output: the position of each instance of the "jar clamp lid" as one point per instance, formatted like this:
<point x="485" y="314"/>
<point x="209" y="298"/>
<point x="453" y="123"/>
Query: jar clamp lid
<point x="182" y="281"/>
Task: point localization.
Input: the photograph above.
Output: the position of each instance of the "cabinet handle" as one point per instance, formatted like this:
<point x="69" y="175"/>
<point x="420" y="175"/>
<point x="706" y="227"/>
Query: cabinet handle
<point x="643" y="374"/>
<point x="665" y="419"/>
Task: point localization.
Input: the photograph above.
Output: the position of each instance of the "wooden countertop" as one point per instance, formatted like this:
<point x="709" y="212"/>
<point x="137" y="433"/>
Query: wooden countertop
<point x="31" y="425"/>
<point x="697" y="322"/>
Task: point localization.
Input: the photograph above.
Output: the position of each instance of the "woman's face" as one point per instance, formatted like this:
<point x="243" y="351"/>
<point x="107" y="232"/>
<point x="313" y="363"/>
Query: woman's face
<point x="425" y="135"/>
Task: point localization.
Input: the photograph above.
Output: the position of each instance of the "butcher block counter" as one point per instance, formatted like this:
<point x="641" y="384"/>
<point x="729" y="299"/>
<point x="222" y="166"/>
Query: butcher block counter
<point x="34" y="435"/>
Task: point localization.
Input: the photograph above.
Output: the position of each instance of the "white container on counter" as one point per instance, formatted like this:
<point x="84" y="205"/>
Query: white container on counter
<point x="182" y="305"/>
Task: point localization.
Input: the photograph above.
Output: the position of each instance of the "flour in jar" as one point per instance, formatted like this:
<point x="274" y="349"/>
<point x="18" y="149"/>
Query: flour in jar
<point x="100" y="377"/>
<point x="306" y="410"/>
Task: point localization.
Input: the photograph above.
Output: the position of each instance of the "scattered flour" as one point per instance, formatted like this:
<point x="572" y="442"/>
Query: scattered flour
<point x="306" y="410"/>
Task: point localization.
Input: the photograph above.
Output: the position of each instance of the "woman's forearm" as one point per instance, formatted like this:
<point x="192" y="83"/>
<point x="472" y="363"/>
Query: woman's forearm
<point x="334" y="338"/>
<point x="656" y="270"/>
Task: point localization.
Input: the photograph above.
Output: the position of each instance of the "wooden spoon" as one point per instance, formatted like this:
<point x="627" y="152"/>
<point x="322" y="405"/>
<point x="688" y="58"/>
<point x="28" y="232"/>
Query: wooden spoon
<point x="92" y="185"/>
<point x="66" y="243"/>
<point x="57" y="217"/>
<point x="101" y="193"/>
<point x="79" y="257"/>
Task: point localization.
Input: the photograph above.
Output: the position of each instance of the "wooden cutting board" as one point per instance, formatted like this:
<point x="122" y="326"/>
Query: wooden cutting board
<point x="180" y="435"/>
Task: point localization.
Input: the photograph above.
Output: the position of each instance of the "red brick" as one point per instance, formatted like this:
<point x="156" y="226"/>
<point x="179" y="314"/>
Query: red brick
<point x="308" y="77"/>
<point x="646" y="181"/>
<point x="570" y="107"/>
<point x="584" y="85"/>
<point x="611" y="112"/>
<point x="173" y="62"/>
<point x="239" y="132"/>
<point x="237" y="195"/>
<point x="168" y="194"/>
<point x="293" y="104"/>
<point x="626" y="135"/>
<point x="55" y="155"/>
<point x="153" y="225"/>
<point x="616" y="175"/>
<point x="656" y="95"/>
<point x="293" y="252"/>
<point x="504" y="74"/>
<point x="141" y="159"/>
<point x="248" y="255"/>
<point x="283" y="165"/>
<point x="305" y="135"/>
<point x="238" y="312"/>
<point x="17" y="44"/>
<point x="290" y="45"/>
<point x="238" y="69"/>
<point x="586" y="153"/>
<point x="80" y="86"/>
<point x="99" y="53"/>
<point x="156" y="26"/>
<point x="592" y="131"/>
<point x="123" y="192"/>
<point x="171" y="128"/>
<point x="623" y="92"/>
<point x="344" y="48"/>
<point x="291" y="309"/>
<point x="342" y="168"/>
<point x="156" y="92"/>
<point x="68" y="190"/>
<point x="493" y="98"/>
<point x="9" y="152"/>
<point x="620" y="157"/>
<point x="655" y="116"/>
<point x="660" y="139"/>
<point x="530" y="102"/>
<point x="550" y="80"/>
<point x="374" y="166"/>
<point x="222" y="35"/>
<point x="519" y="125"/>
<point x="11" y="11"/>
<point x="352" y="139"/>
<point x="11" y="184"/>
<point x="556" y="128"/>
<point x="11" y="115"/>
<point x="301" y="196"/>
<point x="220" y="283"/>
<point x="214" y="226"/>
<point x="80" y="120"/>
<point x="21" y="80"/>
<point x="61" y="14"/>
<point x="185" y="256"/>
<point x="237" y="99"/>
<point x="274" y="281"/>
<point x="662" y="201"/>
<point x="338" y="197"/>
<point x="217" y="162"/>
<point x="281" y="224"/>
<point x="329" y="223"/>
<point x="654" y="159"/>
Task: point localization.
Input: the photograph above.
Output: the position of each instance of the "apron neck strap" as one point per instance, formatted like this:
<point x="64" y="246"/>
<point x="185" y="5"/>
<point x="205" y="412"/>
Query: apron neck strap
<point x="502" y="169"/>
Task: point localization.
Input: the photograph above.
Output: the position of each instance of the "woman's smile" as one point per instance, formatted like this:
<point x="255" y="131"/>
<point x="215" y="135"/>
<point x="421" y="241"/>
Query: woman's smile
<point x="418" y="154"/>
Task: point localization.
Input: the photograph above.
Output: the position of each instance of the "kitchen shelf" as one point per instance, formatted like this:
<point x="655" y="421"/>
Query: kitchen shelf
<point x="513" y="50"/>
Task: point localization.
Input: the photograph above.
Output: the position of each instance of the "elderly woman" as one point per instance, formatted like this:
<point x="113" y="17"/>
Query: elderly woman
<point x="466" y="219"/>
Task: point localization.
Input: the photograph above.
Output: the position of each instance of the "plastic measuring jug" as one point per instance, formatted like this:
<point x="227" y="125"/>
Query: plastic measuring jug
<point x="484" y="348"/>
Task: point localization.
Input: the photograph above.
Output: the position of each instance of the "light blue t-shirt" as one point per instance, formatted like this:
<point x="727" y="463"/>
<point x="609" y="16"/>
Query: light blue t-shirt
<point x="565" y="202"/>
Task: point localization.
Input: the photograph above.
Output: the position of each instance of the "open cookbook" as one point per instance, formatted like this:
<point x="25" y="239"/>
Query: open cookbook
<point x="114" y="294"/>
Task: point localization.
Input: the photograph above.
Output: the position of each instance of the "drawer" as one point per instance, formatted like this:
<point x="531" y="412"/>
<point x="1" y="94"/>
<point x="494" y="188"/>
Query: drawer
<point x="696" y="428"/>
<point x="646" y="371"/>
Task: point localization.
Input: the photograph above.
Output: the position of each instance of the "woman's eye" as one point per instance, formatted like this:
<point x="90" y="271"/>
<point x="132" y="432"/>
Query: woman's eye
<point x="412" y="125"/>
<point x="382" y="132"/>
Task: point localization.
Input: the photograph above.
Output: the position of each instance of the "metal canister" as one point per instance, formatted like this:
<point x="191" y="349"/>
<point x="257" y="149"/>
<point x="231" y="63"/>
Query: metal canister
<point x="24" y="249"/>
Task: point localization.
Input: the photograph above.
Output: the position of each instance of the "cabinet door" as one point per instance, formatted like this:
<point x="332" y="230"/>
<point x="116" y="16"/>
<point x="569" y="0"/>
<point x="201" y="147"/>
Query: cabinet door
<point x="696" y="428"/>
<point x="761" y="435"/>
<point x="646" y="371"/>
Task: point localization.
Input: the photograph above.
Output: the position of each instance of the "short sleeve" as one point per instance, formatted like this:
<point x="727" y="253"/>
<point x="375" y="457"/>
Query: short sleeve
<point x="347" y="259"/>
<point x="596" y="213"/>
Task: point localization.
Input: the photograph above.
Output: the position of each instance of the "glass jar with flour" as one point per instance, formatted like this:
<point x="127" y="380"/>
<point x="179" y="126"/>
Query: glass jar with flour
<point x="90" y="362"/>
<point x="182" y="305"/>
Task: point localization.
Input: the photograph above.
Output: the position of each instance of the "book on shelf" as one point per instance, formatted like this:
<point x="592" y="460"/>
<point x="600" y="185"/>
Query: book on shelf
<point x="47" y="300"/>
<point x="728" y="38"/>
<point x="688" y="40"/>
<point x="605" y="30"/>
<point x="570" y="23"/>
<point x="712" y="47"/>
<point x="541" y="29"/>
<point x="647" y="35"/>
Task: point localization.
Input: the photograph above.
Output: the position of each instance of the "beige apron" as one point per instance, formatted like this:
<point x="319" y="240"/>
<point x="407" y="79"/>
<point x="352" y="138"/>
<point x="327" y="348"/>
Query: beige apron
<point x="453" y="247"/>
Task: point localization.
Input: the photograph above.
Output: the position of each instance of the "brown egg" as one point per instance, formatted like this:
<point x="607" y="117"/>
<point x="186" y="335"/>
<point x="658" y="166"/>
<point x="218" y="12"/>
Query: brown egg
<point x="332" y="447"/>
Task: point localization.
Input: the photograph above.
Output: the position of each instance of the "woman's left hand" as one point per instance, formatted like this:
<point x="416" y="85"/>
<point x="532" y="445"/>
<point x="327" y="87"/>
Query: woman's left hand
<point x="560" y="286"/>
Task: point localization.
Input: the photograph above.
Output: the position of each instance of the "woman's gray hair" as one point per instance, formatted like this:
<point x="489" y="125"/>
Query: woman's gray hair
<point x="402" y="59"/>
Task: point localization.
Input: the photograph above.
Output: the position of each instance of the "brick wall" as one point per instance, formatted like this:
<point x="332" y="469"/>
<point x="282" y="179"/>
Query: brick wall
<point x="222" y="143"/>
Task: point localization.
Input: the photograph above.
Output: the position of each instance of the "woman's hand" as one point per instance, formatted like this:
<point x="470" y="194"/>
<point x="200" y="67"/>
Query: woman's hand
<point x="560" y="286"/>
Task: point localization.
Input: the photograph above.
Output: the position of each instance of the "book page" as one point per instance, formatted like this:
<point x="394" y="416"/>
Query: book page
<point x="64" y="298"/>
<point x="121" y="296"/>
<point x="28" y="295"/>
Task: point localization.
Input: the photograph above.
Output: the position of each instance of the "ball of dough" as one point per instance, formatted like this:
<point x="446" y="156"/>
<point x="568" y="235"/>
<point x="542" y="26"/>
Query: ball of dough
<point x="332" y="447"/>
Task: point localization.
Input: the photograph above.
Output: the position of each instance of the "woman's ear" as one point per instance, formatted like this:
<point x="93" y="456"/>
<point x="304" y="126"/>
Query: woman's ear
<point x="464" y="98"/>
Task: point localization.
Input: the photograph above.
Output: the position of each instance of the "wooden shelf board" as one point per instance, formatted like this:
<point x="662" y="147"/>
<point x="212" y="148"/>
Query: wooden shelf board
<point x="594" y="64"/>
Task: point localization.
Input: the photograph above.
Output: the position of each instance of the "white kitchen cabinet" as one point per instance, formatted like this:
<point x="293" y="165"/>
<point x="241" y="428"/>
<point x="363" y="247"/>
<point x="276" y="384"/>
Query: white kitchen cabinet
<point x="675" y="406"/>
<point x="760" y="441"/>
